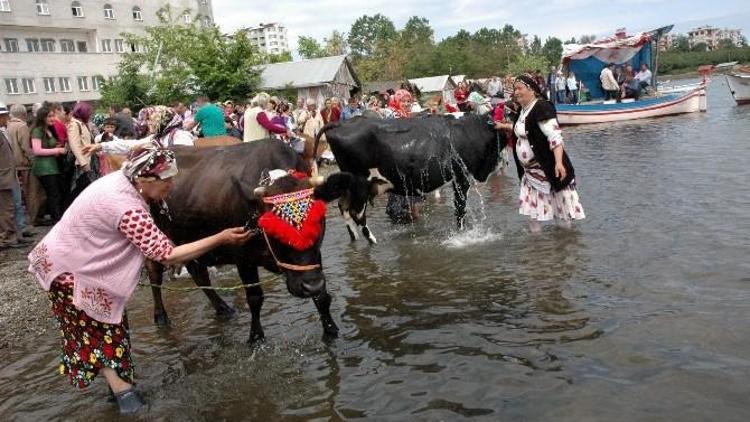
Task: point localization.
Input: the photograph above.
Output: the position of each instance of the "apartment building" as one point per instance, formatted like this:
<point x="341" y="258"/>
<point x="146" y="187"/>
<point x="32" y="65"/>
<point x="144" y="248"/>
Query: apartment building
<point x="61" y="50"/>
<point x="712" y="36"/>
<point x="270" y="38"/>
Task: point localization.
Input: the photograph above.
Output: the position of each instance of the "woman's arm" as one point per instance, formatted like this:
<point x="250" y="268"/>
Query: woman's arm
<point x="262" y="119"/>
<point x="551" y="130"/>
<point x="115" y="146"/>
<point x="155" y="245"/>
<point x="36" y="148"/>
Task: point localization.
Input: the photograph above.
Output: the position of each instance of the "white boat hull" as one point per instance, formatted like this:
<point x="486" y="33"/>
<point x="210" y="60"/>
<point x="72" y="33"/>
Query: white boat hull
<point x="739" y="86"/>
<point x="689" y="102"/>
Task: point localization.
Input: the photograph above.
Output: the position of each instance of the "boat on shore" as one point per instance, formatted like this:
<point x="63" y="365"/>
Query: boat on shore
<point x="612" y="111"/>
<point x="587" y="62"/>
<point x="739" y="86"/>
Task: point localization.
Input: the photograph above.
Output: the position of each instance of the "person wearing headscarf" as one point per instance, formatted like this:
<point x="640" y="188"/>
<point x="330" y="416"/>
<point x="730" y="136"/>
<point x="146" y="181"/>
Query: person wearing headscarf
<point x="163" y="125"/>
<point x="548" y="188"/>
<point x="79" y="135"/>
<point x="399" y="104"/>
<point x="90" y="263"/>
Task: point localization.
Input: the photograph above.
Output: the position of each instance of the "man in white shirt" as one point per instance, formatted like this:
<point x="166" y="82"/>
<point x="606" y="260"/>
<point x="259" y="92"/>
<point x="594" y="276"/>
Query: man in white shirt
<point x="609" y="84"/>
<point x="644" y="76"/>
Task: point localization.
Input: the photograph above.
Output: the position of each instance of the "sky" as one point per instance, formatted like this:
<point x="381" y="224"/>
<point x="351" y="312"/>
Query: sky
<point x="561" y="18"/>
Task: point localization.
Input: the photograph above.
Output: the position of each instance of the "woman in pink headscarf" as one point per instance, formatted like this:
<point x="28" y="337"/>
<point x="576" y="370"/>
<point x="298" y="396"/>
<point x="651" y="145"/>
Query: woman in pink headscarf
<point x="400" y="104"/>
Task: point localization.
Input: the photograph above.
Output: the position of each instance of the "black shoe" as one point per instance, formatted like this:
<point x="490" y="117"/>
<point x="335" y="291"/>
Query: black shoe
<point x="27" y="234"/>
<point x="129" y="401"/>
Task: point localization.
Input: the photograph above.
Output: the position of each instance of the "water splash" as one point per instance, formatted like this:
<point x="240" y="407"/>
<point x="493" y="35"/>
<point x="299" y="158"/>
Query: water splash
<point x="478" y="234"/>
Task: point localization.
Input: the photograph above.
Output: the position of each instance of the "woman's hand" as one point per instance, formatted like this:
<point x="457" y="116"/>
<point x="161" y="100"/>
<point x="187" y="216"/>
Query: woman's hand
<point x="62" y="151"/>
<point x="235" y="236"/>
<point x="560" y="172"/>
<point x="503" y="126"/>
<point x="89" y="149"/>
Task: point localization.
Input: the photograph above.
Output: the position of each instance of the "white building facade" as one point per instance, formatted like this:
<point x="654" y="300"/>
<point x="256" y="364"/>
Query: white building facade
<point x="270" y="38"/>
<point x="61" y="50"/>
<point x="712" y="36"/>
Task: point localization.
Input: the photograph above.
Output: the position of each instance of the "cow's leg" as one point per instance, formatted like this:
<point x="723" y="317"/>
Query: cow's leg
<point x="361" y="219"/>
<point x="351" y="227"/>
<point x="461" y="186"/>
<point x="323" y="304"/>
<point x="249" y="275"/>
<point x="200" y="276"/>
<point x="156" y="276"/>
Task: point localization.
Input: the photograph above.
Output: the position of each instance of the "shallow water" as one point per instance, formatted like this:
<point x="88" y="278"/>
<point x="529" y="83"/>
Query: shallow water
<point x="642" y="312"/>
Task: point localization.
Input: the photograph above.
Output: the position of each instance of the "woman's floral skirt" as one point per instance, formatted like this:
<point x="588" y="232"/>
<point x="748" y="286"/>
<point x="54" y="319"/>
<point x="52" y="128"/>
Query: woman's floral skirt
<point x="537" y="205"/>
<point x="88" y="345"/>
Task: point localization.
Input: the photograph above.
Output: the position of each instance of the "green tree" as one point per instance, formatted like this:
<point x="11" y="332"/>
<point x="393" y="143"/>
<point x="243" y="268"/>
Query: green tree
<point x="309" y="48"/>
<point x="535" y="47"/>
<point x="726" y="44"/>
<point x="368" y="32"/>
<point x="526" y="63"/>
<point x="336" y="44"/>
<point x="552" y="50"/>
<point x="681" y="43"/>
<point x="285" y="56"/>
<point x="175" y="61"/>
<point x="701" y="46"/>
<point x="587" y="39"/>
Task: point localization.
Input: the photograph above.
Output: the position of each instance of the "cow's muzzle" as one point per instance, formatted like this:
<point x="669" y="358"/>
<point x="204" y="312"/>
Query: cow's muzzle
<point x="305" y="284"/>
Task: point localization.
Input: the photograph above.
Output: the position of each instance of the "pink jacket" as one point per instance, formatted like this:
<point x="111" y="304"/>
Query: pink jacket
<point x="87" y="242"/>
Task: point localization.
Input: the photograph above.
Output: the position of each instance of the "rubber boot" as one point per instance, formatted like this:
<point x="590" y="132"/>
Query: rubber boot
<point x="129" y="401"/>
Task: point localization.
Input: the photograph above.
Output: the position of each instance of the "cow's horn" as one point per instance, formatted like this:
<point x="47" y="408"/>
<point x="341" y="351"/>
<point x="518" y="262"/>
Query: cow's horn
<point x="317" y="180"/>
<point x="259" y="191"/>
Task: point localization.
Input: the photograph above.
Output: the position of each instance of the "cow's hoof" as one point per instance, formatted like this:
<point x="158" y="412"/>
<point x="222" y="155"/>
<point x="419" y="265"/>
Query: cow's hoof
<point x="162" y="320"/>
<point x="224" y="312"/>
<point x="256" y="338"/>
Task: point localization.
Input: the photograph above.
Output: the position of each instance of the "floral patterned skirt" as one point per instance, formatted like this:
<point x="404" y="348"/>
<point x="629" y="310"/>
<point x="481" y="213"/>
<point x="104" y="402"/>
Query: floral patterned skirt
<point x="540" y="206"/>
<point x="88" y="345"/>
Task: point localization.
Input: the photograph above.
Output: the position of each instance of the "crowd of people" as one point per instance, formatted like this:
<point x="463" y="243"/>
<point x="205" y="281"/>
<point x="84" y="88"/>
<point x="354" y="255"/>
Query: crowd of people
<point x="621" y="82"/>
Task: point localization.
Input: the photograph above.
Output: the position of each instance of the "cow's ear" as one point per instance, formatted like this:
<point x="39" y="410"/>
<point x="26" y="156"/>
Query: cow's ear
<point x="334" y="186"/>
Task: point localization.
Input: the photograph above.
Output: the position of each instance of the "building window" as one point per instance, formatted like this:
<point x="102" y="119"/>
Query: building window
<point x="4" y="5"/>
<point x="83" y="47"/>
<point x="28" y="86"/>
<point x="83" y="83"/>
<point x="48" y="45"/>
<point x="206" y="21"/>
<point x="32" y="45"/>
<point x="49" y="85"/>
<point x="67" y="46"/>
<point x="187" y="18"/>
<point x="11" y="86"/>
<point x="65" y="84"/>
<point x="11" y="45"/>
<point x="97" y="82"/>
<point x="77" y="9"/>
<point x="42" y="7"/>
<point x="109" y="12"/>
<point x="137" y="16"/>
<point x="106" y="46"/>
<point x="118" y="46"/>
<point x="203" y="2"/>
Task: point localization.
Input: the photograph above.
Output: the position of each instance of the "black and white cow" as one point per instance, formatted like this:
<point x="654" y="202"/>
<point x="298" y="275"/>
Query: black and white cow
<point x="410" y="157"/>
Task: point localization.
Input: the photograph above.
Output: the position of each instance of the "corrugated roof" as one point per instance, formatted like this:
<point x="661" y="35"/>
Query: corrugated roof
<point x="301" y="74"/>
<point x="433" y="83"/>
<point x="381" y="86"/>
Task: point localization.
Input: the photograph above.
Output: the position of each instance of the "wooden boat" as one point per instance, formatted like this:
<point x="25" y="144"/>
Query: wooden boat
<point x="587" y="62"/>
<point x="610" y="111"/>
<point x="739" y="86"/>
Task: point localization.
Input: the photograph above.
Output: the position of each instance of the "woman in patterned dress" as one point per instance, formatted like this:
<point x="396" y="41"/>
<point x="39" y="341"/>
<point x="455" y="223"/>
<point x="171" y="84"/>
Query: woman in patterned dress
<point x="547" y="176"/>
<point x="91" y="260"/>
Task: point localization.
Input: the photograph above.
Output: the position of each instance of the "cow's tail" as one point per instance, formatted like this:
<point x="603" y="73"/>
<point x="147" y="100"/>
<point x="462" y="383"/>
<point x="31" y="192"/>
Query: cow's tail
<point x="322" y="131"/>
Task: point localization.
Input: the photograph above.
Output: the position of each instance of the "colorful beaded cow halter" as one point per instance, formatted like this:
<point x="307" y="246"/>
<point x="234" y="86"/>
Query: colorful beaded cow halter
<point x="292" y="207"/>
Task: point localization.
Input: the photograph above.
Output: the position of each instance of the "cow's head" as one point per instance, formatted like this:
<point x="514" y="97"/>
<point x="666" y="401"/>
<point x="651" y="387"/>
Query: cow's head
<point x="292" y="221"/>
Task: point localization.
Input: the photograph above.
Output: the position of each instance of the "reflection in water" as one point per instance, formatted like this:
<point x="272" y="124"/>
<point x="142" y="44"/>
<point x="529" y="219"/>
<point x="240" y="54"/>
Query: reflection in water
<point x="641" y="312"/>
